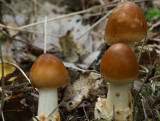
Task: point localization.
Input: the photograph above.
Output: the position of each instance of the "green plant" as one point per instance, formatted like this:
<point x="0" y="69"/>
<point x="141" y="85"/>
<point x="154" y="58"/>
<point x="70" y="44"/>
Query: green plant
<point x="2" y="37"/>
<point x="152" y="13"/>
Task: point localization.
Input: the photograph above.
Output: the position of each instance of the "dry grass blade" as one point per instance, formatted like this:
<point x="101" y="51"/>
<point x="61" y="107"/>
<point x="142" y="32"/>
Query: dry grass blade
<point x="19" y="70"/>
<point x="3" y="84"/>
<point x="34" y="32"/>
<point x="45" y="34"/>
<point x="85" y="114"/>
<point x="140" y="54"/>
<point x="99" y="21"/>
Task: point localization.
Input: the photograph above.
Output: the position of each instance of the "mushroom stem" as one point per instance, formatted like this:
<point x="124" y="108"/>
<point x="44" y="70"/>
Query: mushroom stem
<point x="131" y="45"/>
<point x="48" y="101"/>
<point x="118" y="97"/>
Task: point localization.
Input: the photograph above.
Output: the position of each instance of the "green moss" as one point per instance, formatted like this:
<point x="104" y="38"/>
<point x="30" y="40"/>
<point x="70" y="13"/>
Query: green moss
<point x="152" y="13"/>
<point x="2" y="37"/>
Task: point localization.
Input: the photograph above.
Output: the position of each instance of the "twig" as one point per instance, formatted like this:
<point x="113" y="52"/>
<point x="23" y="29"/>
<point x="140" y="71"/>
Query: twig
<point x="35" y="32"/>
<point x="144" y="68"/>
<point x="102" y="2"/>
<point x="158" y="115"/>
<point x="60" y="17"/>
<point x="114" y="113"/>
<point x="139" y="57"/>
<point x="45" y="36"/>
<point x="2" y="116"/>
<point x="99" y="21"/>
<point x="141" y="89"/>
<point x="10" y="7"/>
<point x="85" y="113"/>
<point x="144" y="110"/>
<point x="40" y="5"/>
<point x="35" y="118"/>
<point x="19" y="70"/>
<point x="35" y="9"/>
<point x="145" y="79"/>
<point x="2" y="82"/>
<point x="68" y="15"/>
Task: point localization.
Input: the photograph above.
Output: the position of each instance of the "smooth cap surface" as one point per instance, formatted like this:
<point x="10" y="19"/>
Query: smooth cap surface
<point x="126" y="23"/>
<point x="47" y="72"/>
<point x="119" y="64"/>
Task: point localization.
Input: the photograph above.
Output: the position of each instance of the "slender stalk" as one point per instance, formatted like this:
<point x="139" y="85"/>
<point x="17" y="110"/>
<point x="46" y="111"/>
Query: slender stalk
<point x="99" y="21"/>
<point x="48" y="101"/>
<point x="45" y="34"/>
<point x="3" y="83"/>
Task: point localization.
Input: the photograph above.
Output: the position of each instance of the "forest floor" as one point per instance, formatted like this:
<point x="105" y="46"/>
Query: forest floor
<point x="25" y="25"/>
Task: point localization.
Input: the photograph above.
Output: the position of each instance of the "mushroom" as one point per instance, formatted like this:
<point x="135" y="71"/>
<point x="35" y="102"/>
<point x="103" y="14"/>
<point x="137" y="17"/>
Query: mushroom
<point x="47" y="74"/>
<point x="119" y="67"/>
<point x="126" y="24"/>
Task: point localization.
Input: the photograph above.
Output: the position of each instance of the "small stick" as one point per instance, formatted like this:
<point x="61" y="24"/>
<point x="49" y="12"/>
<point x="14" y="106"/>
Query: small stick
<point x="139" y="91"/>
<point x="19" y="70"/>
<point x="42" y="6"/>
<point x="72" y="14"/>
<point x="113" y="113"/>
<point x="145" y="79"/>
<point x="3" y="83"/>
<point x="85" y="113"/>
<point x="2" y="116"/>
<point x="10" y="7"/>
<point x="68" y="15"/>
<point x="99" y="21"/>
<point x="45" y="34"/>
<point x="35" y="32"/>
<point x="144" y="110"/>
<point x="139" y="57"/>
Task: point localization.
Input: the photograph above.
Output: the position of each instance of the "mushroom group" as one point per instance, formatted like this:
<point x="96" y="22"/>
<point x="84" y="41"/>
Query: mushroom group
<point x="126" y="25"/>
<point x="47" y="74"/>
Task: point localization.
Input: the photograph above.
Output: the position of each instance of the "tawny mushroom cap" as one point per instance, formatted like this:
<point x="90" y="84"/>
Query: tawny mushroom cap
<point x="48" y="72"/>
<point x="119" y="64"/>
<point x="126" y="23"/>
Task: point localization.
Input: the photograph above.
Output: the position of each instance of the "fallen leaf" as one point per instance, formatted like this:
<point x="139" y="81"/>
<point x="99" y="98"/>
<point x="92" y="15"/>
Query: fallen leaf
<point x="13" y="25"/>
<point x="8" y="69"/>
<point x="15" y="111"/>
<point x="80" y="89"/>
<point x="69" y="47"/>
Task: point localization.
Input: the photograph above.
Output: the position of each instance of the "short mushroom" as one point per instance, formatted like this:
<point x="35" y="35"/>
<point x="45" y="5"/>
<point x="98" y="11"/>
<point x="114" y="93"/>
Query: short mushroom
<point x="119" y="67"/>
<point x="47" y="74"/>
<point x="126" y="24"/>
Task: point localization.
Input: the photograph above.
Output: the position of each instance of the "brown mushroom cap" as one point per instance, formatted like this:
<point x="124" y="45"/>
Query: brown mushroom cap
<point x="119" y="64"/>
<point x="48" y="72"/>
<point x="126" y="23"/>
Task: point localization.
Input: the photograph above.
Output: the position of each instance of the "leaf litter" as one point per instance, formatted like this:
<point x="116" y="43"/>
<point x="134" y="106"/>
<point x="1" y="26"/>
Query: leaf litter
<point x="77" y="99"/>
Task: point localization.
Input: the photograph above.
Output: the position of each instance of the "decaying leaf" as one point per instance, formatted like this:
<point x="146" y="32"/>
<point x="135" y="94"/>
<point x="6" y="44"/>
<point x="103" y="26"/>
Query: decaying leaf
<point x="8" y="69"/>
<point x="14" y="110"/>
<point x="69" y="47"/>
<point x="71" y="51"/>
<point x="81" y="88"/>
<point x="11" y="31"/>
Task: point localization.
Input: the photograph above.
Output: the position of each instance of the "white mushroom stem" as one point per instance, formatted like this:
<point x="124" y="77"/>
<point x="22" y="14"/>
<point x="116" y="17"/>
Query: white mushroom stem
<point x="118" y="97"/>
<point x="131" y="45"/>
<point x="48" y="101"/>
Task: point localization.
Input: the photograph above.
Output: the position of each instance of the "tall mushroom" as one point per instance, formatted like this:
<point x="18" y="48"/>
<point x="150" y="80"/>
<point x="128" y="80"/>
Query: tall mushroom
<point x="47" y="74"/>
<point x="126" y="24"/>
<point x="119" y="67"/>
